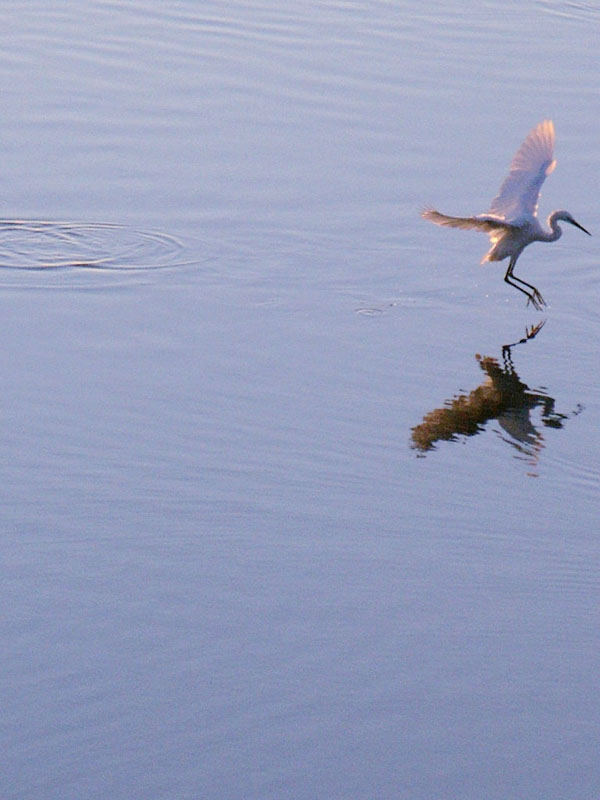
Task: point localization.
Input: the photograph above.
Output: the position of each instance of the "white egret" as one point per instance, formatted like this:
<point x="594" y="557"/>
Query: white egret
<point x="512" y="221"/>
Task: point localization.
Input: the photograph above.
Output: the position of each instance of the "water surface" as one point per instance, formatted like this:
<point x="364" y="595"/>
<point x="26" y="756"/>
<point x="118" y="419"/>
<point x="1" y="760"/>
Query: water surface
<point x="229" y="568"/>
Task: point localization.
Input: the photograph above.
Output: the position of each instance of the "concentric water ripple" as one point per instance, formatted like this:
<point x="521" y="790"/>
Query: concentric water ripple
<point x="45" y="246"/>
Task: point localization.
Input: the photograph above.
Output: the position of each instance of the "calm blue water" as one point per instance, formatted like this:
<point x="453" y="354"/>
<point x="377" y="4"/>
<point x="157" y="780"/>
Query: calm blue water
<point x="252" y="544"/>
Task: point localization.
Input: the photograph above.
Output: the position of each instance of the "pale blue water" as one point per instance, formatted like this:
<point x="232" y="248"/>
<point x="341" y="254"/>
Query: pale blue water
<point x="227" y="570"/>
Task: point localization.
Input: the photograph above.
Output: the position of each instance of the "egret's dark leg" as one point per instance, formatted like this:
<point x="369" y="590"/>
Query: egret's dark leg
<point x="534" y="296"/>
<point x="537" y="295"/>
<point x="508" y="280"/>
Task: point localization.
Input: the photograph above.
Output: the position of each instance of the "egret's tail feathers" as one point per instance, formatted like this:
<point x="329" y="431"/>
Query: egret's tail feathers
<point x="434" y="216"/>
<point x="485" y="224"/>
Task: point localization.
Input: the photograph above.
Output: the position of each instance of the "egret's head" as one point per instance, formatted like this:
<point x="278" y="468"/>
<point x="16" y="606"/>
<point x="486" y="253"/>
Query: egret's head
<point x="568" y="218"/>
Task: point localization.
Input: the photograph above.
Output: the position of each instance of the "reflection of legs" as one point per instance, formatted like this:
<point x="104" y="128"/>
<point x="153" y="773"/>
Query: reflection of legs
<point x="534" y="296"/>
<point x="530" y="333"/>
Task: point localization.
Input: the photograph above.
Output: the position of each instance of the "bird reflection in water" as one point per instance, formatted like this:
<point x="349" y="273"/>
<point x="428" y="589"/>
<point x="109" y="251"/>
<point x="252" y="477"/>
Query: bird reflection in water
<point x="502" y="396"/>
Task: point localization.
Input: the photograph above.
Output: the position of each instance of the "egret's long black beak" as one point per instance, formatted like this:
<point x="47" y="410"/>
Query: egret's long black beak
<point x="577" y="225"/>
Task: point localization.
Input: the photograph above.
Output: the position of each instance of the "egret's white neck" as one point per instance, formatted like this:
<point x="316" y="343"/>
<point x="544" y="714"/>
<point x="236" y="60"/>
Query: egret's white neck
<point x="555" y="229"/>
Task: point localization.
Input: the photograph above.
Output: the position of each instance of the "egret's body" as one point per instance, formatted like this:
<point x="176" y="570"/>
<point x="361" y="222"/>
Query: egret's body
<point x="512" y="222"/>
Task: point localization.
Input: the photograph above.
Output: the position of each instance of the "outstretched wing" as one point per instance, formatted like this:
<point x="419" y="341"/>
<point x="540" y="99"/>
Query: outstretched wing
<point x="519" y="194"/>
<point x="482" y="223"/>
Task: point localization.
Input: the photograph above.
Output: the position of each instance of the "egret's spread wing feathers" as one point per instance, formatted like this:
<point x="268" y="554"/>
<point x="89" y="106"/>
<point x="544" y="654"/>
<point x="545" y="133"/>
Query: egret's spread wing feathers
<point x="482" y="223"/>
<point x="520" y="192"/>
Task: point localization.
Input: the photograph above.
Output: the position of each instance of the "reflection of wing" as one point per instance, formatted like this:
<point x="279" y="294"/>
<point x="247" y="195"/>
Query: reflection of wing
<point x="519" y="194"/>
<point x="481" y="223"/>
<point x="517" y="423"/>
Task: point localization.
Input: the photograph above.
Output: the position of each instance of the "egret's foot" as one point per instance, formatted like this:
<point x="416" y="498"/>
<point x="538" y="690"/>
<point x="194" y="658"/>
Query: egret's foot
<point x="536" y="300"/>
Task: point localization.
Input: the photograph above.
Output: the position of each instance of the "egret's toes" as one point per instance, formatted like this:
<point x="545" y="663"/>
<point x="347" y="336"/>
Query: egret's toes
<point x="536" y="300"/>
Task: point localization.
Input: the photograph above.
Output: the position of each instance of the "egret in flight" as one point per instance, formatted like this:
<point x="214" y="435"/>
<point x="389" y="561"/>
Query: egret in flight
<point x="512" y="221"/>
